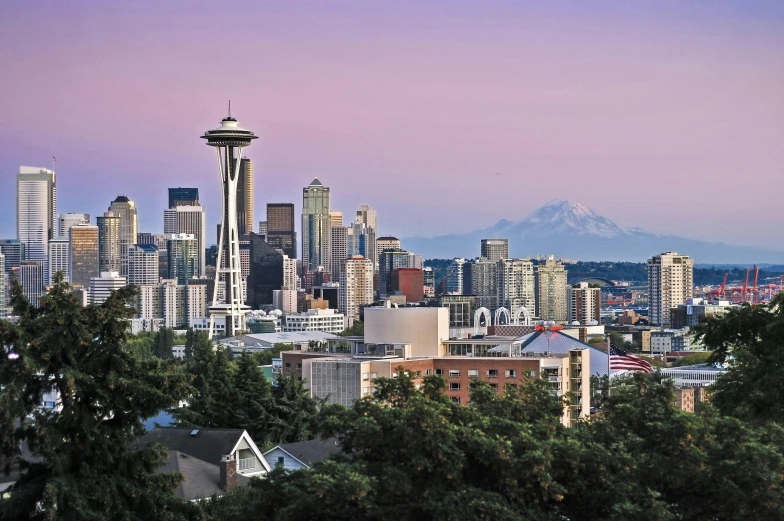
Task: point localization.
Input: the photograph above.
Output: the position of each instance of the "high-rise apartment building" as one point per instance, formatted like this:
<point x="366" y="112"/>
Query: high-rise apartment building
<point x="31" y="277"/>
<point x="143" y="265"/>
<point x="3" y="277"/>
<point x="339" y="238"/>
<point x="429" y="278"/>
<point x="109" y="256"/>
<point x="280" y="228"/>
<point x="385" y="243"/>
<point x="183" y="197"/>
<point x="69" y="219"/>
<point x="455" y="277"/>
<point x="316" y="232"/>
<point x="670" y="283"/>
<point x="129" y="227"/>
<point x="367" y="216"/>
<point x="58" y="259"/>
<point x="356" y="287"/>
<point x="102" y="287"/>
<point x="84" y="254"/>
<point x="191" y="220"/>
<point x="389" y="261"/>
<point x="290" y="273"/>
<point x="515" y="284"/>
<point x="585" y="304"/>
<point x="245" y="198"/>
<point x="36" y="211"/>
<point x="495" y="249"/>
<point x="551" y="287"/>
<point x="183" y="258"/>
<point x="14" y="252"/>
<point x="482" y="277"/>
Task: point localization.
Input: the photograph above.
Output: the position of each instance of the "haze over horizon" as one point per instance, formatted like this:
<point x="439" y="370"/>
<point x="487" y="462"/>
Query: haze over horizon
<point x="444" y="116"/>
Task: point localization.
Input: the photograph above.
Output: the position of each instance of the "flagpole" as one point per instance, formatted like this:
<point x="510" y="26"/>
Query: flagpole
<point x="607" y="338"/>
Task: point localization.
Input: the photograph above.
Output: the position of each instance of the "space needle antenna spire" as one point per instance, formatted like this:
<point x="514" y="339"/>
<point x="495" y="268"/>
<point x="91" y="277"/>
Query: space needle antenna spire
<point x="228" y="140"/>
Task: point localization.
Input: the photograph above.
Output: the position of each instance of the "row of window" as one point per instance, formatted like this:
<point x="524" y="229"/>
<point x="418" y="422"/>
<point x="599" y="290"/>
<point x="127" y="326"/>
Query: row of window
<point x="455" y="386"/>
<point x="474" y="373"/>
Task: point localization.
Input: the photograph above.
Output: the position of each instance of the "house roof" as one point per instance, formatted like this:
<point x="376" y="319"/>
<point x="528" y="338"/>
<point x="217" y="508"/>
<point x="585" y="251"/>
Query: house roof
<point x="200" y="478"/>
<point x="205" y="444"/>
<point x="557" y="342"/>
<point x="292" y="337"/>
<point x="310" y="452"/>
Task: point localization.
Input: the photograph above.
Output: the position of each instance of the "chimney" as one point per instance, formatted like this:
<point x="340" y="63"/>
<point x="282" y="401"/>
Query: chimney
<point x="228" y="472"/>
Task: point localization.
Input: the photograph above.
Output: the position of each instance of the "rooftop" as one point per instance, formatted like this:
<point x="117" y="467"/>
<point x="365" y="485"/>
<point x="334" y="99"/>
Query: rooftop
<point x="205" y="444"/>
<point x="311" y="452"/>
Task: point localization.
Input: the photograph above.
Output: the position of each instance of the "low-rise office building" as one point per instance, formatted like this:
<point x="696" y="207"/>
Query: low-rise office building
<point x="327" y="320"/>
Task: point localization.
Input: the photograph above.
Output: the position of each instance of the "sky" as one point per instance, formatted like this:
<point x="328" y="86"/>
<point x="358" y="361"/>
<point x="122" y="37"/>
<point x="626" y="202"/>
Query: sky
<point x="444" y="115"/>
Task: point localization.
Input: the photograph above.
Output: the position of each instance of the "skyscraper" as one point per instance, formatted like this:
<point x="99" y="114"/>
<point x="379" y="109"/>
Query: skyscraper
<point x="108" y="243"/>
<point x="367" y="216"/>
<point x="280" y="230"/>
<point x="3" y="277"/>
<point x="84" y="254"/>
<point x="551" y="291"/>
<point x="13" y="250"/>
<point x="183" y="197"/>
<point x="385" y="243"/>
<point x="495" y="249"/>
<point x="515" y="284"/>
<point x="36" y="211"/>
<point x="316" y="233"/>
<point x="183" y="257"/>
<point x="58" y="259"/>
<point x="31" y="277"/>
<point x="265" y="271"/>
<point x="390" y="260"/>
<point x="190" y="219"/>
<point x="483" y="282"/>
<point x="129" y="227"/>
<point x="69" y="219"/>
<point x="455" y="277"/>
<point x="670" y="283"/>
<point x="338" y="243"/>
<point x="356" y="287"/>
<point x="584" y="304"/>
<point x="143" y="264"/>
<point x="245" y="198"/>
<point x="229" y="140"/>
<point x="102" y="287"/>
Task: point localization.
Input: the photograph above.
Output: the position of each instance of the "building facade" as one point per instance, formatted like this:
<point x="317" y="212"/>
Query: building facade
<point x="84" y="254"/>
<point x="670" y="283"/>
<point x="584" y="304"/>
<point x="192" y="220"/>
<point x="385" y="243"/>
<point x="356" y="287"/>
<point x="494" y="249"/>
<point x="455" y="277"/>
<point x="109" y="256"/>
<point x="409" y="282"/>
<point x="183" y="259"/>
<point x="280" y="228"/>
<point x="14" y="253"/>
<point x="143" y="264"/>
<point x="129" y="227"/>
<point x="481" y="281"/>
<point x="183" y="196"/>
<point x="316" y="234"/>
<point x="58" y="260"/>
<point x="327" y="320"/>
<point x="36" y="211"/>
<point x="515" y="284"/>
<point x="69" y="219"/>
<point x="245" y="198"/>
<point x="31" y="278"/>
<point x="389" y="261"/>
<point x="266" y="271"/>
<point x="551" y="292"/>
<point x="102" y="287"/>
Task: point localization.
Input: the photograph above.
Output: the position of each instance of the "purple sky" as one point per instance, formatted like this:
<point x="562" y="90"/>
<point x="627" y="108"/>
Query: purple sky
<point x="664" y="115"/>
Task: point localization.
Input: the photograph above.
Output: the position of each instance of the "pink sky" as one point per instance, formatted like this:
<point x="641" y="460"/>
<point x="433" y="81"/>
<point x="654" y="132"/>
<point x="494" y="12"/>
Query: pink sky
<point x="664" y="115"/>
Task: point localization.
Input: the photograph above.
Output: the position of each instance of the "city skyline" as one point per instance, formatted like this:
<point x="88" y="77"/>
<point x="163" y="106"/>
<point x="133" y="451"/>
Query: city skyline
<point x="687" y="114"/>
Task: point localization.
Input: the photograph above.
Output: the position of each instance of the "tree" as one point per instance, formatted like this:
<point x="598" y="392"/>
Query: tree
<point x="356" y="329"/>
<point x="87" y="469"/>
<point x="190" y="341"/>
<point x="750" y="342"/>
<point x="163" y="342"/>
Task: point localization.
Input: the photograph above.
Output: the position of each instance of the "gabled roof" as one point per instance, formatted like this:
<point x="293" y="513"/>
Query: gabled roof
<point x="206" y="444"/>
<point x="310" y="452"/>
<point x="200" y="478"/>
<point x="557" y="342"/>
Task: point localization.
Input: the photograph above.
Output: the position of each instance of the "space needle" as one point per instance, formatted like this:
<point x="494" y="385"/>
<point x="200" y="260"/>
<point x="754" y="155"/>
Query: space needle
<point x="229" y="140"/>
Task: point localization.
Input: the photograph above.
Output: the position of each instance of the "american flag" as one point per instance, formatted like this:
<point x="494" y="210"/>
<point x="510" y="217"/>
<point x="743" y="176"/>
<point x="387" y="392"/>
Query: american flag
<point x="621" y="361"/>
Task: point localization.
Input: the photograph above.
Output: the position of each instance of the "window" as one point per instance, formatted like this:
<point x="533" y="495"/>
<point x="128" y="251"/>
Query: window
<point x="454" y="386"/>
<point x="473" y="373"/>
<point x="455" y="399"/>
<point x="365" y="376"/>
<point x="494" y="387"/>
<point x="492" y="373"/>
<point x="454" y="373"/>
<point x="512" y="386"/>
<point x="299" y="367"/>
<point x="373" y="376"/>
<point x="281" y="460"/>
<point x="439" y="372"/>
<point x="288" y="365"/>
<point x="418" y="374"/>
<point x="428" y="372"/>
<point x="510" y="373"/>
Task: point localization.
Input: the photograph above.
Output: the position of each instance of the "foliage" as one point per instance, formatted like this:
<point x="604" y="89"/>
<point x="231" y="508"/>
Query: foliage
<point x="266" y="355"/>
<point x="162" y="343"/>
<point x="750" y="341"/>
<point x="86" y="468"/>
<point x="692" y="359"/>
<point x="356" y="329"/>
<point x="236" y="394"/>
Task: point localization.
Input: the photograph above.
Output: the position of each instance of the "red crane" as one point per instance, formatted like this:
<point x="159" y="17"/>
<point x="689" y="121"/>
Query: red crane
<point x="744" y="291"/>
<point x="754" y="295"/>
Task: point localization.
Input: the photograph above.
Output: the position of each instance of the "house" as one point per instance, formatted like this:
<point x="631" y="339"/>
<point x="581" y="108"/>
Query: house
<point x="211" y="461"/>
<point x="302" y="454"/>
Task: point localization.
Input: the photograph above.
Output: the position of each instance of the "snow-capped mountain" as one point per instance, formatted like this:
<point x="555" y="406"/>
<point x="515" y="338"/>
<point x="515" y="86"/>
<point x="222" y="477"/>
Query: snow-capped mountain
<point x="569" y="229"/>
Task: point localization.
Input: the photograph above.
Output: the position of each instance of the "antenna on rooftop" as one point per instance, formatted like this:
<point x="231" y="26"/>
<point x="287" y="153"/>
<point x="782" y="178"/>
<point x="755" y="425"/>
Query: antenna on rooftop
<point x="229" y="108"/>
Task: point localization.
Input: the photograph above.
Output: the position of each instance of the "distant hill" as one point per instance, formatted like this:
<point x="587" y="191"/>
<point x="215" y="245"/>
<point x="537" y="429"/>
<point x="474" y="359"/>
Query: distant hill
<point x="569" y="229"/>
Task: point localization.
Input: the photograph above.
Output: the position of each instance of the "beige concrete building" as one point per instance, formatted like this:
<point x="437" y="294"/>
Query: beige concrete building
<point x="583" y="304"/>
<point x="515" y="284"/>
<point x="356" y="287"/>
<point x="424" y="329"/>
<point x="670" y="283"/>
<point x="551" y="291"/>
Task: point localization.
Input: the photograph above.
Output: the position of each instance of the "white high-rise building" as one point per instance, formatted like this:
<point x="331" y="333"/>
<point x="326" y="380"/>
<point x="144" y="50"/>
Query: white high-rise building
<point x="192" y="220"/>
<point x="455" y="275"/>
<point x="31" y="277"/>
<point x="584" y="304"/>
<point x="515" y="284"/>
<point x="356" y="287"/>
<point x="316" y="233"/>
<point x="290" y="278"/>
<point x="196" y="305"/>
<point x="173" y="303"/>
<point x="3" y="299"/>
<point x="670" y="283"/>
<point x="143" y="264"/>
<point x="551" y="291"/>
<point x="129" y="227"/>
<point x="101" y="288"/>
<point x="59" y="259"/>
<point x="70" y="219"/>
<point x="36" y="211"/>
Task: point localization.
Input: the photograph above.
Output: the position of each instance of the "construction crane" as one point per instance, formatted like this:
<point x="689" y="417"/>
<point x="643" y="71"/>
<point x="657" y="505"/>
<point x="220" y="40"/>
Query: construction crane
<point x="754" y="295"/>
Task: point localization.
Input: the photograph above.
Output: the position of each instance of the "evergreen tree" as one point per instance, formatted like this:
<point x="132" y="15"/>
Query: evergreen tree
<point x="87" y="470"/>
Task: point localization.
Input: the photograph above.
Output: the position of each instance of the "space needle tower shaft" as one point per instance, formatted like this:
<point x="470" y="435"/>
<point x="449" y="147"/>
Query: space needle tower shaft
<point x="229" y="140"/>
